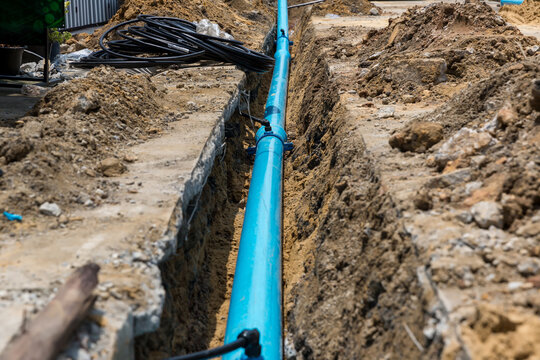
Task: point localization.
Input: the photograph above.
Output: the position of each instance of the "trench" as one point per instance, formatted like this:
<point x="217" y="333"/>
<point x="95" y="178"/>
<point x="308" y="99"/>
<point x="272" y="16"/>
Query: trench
<point x="350" y="286"/>
<point x="198" y="278"/>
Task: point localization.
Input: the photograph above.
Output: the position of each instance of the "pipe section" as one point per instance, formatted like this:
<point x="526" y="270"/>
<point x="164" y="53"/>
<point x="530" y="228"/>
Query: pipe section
<point x="256" y="294"/>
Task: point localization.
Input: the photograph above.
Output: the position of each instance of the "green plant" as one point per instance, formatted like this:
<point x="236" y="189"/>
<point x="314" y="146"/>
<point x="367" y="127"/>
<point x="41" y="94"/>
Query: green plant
<point x="58" y="36"/>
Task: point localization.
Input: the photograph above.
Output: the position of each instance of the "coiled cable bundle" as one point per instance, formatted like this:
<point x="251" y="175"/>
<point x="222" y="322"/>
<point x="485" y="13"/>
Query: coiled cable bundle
<point x="161" y="41"/>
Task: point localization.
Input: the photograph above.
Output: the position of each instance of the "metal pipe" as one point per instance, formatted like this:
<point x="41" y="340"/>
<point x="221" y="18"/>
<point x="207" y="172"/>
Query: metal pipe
<point x="256" y="294"/>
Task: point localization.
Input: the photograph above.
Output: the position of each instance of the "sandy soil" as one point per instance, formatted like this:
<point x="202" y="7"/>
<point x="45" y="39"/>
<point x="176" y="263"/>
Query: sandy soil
<point x="526" y="13"/>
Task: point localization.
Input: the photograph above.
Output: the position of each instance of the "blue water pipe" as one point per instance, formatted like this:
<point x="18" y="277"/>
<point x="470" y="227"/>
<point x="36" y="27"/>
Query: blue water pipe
<point x="511" y="2"/>
<point x="256" y="294"/>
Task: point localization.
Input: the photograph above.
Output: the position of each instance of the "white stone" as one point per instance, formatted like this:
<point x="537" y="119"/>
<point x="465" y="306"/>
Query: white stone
<point x="50" y="209"/>
<point x="386" y="112"/>
<point x="486" y="214"/>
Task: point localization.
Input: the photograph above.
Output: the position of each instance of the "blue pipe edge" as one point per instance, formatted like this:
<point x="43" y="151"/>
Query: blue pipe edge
<point x="256" y="299"/>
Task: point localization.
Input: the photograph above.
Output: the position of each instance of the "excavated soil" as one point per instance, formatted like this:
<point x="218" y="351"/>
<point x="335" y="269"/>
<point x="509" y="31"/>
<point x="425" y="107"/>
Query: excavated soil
<point x="342" y="7"/>
<point x="434" y="51"/>
<point x="336" y="7"/>
<point x="54" y="153"/>
<point x="526" y="13"/>
<point x="246" y="20"/>
<point x="493" y="128"/>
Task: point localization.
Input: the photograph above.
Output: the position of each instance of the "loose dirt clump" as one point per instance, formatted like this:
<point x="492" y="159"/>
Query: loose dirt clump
<point x="432" y="51"/>
<point x="526" y="13"/>
<point x="245" y="22"/>
<point x="418" y="136"/>
<point x="53" y="153"/>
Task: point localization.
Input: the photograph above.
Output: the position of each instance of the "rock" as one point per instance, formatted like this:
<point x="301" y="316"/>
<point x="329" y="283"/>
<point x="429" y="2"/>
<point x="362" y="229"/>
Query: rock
<point x="374" y="12"/>
<point x="472" y="186"/>
<point x="506" y="117"/>
<point x="375" y="55"/>
<point x="111" y="167"/>
<point x="87" y="103"/>
<point x="50" y="209"/>
<point x="192" y="106"/>
<point x="450" y="179"/>
<point x="486" y="214"/>
<point x="102" y="194"/>
<point x="529" y="267"/>
<point x="532" y="50"/>
<point x="421" y="71"/>
<point x="409" y="99"/>
<point x="386" y="112"/>
<point x="465" y="217"/>
<point x="130" y="158"/>
<point x="418" y="136"/>
<point x="340" y="186"/>
<point x="514" y="285"/>
<point x="530" y="229"/>
<point x="465" y="142"/>
<point x="32" y="129"/>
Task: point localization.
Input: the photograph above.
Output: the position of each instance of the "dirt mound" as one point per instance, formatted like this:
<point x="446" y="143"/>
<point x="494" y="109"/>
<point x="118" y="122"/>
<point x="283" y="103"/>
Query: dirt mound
<point x="246" y="22"/>
<point x="62" y="143"/>
<point x="526" y="13"/>
<point x="429" y="48"/>
<point x="343" y="7"/>
<point x="338" y="7"/>
<point x="493" y="130"/>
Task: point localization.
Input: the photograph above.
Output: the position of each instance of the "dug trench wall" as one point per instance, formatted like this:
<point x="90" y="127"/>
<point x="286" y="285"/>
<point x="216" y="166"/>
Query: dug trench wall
<point x="349" y="269"/>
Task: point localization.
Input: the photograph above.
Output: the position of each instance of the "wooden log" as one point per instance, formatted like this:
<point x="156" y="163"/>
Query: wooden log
<point x="47" y="334"/>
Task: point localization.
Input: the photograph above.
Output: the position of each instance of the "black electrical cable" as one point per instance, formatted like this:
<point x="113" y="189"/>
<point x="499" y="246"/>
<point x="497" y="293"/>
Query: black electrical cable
<point x="248" y="339"/>
<point x="263" y="122"/>
<point x="168" y="41"/>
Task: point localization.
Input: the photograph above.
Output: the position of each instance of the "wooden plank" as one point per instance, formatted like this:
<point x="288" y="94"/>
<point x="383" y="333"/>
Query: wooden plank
<point x="46" y="335"/>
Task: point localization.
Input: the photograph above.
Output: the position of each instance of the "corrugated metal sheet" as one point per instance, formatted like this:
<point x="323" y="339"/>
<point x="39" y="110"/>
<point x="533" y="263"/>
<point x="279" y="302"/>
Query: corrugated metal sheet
<point x="83" y="13"/>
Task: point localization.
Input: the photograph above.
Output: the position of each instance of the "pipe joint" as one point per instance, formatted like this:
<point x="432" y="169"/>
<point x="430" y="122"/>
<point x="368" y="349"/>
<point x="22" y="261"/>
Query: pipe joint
<point x="277" y="131"/>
